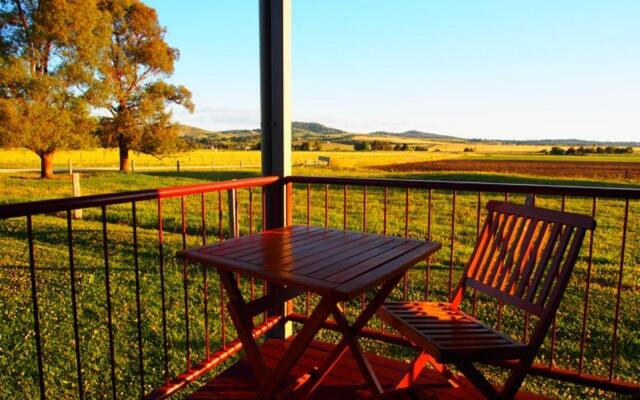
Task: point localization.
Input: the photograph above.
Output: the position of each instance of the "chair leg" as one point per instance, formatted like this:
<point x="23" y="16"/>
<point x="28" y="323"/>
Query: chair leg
<point x="417" y="365"/>
<point x="516" y="378"/>
<point x="478" y="380"/>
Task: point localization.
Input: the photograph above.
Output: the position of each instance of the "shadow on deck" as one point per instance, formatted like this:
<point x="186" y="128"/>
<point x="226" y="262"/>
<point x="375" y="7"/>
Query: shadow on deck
<point x="343" y="383"/>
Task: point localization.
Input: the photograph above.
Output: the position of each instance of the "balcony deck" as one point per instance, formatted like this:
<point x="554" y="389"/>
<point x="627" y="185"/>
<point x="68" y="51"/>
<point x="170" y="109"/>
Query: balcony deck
<point x="344" y="382"/>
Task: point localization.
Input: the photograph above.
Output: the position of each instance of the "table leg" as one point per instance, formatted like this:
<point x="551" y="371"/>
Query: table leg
<point x="297" y="347"/>
<point x="244" y="325"/>
<point x="365" y="315"/>
<point x="356" y="351"/>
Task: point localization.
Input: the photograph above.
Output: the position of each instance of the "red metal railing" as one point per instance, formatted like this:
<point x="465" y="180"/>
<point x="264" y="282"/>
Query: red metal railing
<point x="315" y="205"/>
<point x="213" y="357"/>
<point x="577" y="375"/>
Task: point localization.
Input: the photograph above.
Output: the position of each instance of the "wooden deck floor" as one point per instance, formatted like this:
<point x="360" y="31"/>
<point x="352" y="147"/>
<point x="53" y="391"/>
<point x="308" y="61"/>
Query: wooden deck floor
<point x="344" y="382"/>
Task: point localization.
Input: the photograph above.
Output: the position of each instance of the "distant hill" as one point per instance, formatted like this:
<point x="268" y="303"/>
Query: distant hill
<point x="192" y="131"/>
<point x="417" y="134"/>
<point x="320" y="132"/>
<point x="315" y="128"/>
<point x="242" y="132"/>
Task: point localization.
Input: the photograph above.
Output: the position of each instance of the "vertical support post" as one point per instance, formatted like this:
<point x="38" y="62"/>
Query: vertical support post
<point x="178" y="166"/>
<point x="275" y="88"/>
<point x="75" y="181"/>
<point x="70" y="167"/>
<point x="133" y="166"/>
<point x="232" y="203"/>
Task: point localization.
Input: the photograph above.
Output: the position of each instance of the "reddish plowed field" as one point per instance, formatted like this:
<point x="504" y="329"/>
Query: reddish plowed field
<point x="582" y="169"/>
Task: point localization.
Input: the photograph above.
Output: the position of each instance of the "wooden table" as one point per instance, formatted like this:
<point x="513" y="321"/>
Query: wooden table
<point x="335" y="264"/>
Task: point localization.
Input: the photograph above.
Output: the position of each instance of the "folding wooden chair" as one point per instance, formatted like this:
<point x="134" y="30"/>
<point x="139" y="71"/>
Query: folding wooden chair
<point x="524" y="257"/>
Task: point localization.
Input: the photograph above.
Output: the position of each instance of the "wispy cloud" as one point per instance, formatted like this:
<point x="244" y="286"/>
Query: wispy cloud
<point x="215" y="118"/>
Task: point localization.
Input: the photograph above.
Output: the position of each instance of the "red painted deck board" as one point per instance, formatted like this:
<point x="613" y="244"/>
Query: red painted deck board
<point x="343" y="383"/>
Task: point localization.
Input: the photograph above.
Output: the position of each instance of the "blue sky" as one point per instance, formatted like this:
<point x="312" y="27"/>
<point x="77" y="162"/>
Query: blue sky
<point x="472" y="68"/>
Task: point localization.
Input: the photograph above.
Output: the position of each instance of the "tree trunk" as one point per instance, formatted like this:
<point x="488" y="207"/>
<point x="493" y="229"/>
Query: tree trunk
<point x="124" y="155"/>
<point x="46" y="164"/>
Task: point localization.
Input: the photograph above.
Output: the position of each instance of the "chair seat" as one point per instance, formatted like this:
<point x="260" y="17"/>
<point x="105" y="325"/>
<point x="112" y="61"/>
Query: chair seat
<point x="449" y="334"/>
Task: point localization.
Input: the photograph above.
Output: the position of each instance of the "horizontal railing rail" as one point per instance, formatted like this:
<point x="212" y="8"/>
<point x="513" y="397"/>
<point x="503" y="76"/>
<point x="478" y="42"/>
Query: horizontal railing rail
<point x="64" y="204"/>
<point x="489" y="187"/>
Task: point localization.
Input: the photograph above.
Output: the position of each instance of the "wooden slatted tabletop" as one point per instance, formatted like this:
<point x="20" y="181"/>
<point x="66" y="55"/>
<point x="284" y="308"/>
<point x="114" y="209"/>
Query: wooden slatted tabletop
<point x="323" y="261"/>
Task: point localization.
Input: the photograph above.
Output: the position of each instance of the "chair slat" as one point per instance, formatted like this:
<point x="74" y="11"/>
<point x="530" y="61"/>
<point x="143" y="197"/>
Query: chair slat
<point x="504" y="243"/>
<point x="493" y="245"/>
<point x="552" y="248"/>
<point x="513" y="247"/>
<point x="534" y="262"/>
<point x="525" y="252"/>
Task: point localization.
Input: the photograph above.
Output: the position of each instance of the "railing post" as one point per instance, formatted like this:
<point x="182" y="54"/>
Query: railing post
<point x="275" y="77"/>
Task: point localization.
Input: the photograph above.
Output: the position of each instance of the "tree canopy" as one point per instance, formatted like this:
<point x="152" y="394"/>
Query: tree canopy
<point x="136" y="97"/>
<point x="49" y="50"/>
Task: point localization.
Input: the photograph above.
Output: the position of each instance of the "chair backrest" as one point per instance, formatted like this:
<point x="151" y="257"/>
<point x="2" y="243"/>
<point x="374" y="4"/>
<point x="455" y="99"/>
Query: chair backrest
<point x="525" y="255"/>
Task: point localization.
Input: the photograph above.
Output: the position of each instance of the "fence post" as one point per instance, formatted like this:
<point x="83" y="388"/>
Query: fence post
<point x="70" y="167"/>
<point x="75" y="181"/>
<point x="133" y="166"/>
<point x="178" y="165"/>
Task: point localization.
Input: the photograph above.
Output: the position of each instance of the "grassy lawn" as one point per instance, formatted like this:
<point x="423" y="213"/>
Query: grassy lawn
<point x="17" y="354"/>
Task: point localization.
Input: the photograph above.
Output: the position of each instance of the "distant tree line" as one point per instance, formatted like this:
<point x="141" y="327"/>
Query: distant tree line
<point x="380" y="145"/>
<point x="582" y="150"/>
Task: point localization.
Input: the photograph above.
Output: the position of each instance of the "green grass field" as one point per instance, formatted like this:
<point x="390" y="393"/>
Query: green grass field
<point x="205" y="159"/>
<point x="17" y="354"/>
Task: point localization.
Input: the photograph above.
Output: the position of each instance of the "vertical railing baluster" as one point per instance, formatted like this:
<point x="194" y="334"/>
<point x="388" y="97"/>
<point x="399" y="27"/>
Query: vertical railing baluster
<point x="252" y="278"/>
<point x="474" y="296"/>
<point x="107" y="286"/>
<point x="554" y="324"/>
<point x="185" y="285"/>
<point x="136" y="269"/>
<point x="364" y="209"/>
<point x="74" y="305"/>
<point x="532" y="203"/>
<point x="263" y="208"/>
<point x="223" y="335"/>
<point x="585" y="309"/>
<point x="451" y="241"/>
<point x="34" y="304"/>
<point x="326" y="206"/>
<point x="406" y="235"/>
<point x="205" y="276"/>
<point x="165" y="344"/>
<point x="384" y="212"/>
<point x="614" y="339"/>
<point x="344" y="208"/>
<point x="265" y="289"/>
<point x="428" y="266"/>
<point x="250" y="211"/>
<point x="500" y="304"/>
<point x="220" y="232"/>
<point x="203" y="218"/>
<point x="308" y="204"/>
